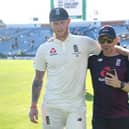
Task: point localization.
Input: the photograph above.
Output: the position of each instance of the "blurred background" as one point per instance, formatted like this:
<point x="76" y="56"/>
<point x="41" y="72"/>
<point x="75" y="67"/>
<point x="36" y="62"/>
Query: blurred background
<point x="24" y="24"/>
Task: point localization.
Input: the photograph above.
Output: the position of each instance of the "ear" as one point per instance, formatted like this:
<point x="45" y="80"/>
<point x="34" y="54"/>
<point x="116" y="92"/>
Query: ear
<point x="117" y="39"/>
<point x="69" y="20"/>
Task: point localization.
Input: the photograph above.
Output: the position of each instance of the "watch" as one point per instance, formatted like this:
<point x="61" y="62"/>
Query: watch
<point x="122" y="85"/>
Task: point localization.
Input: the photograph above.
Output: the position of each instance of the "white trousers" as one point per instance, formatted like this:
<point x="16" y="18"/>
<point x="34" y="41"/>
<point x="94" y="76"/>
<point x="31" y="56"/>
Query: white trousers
<point x="59" y="119"/>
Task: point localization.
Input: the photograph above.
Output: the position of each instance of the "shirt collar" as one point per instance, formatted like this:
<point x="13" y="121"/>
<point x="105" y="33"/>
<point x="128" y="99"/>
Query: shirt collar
<point x="65" y="41"/>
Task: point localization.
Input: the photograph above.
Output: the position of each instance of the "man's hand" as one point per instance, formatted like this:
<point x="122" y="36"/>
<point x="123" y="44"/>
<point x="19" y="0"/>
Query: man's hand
<point x="112" y="79"/>
<point x="121" y="50"/>
<point x="33" y="114"/>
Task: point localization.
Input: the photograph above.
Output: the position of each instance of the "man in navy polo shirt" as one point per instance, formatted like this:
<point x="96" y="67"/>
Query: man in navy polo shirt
<point x="110" y="77"/>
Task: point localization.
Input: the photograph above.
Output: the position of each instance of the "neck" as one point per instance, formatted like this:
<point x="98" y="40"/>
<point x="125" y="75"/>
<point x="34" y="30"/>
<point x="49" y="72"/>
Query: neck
<point x="110" y="53"/>
<point x="62" y="37"/>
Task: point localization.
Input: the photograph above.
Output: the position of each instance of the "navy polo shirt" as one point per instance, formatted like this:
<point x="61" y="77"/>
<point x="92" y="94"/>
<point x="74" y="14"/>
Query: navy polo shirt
<point x="109" y="102"/>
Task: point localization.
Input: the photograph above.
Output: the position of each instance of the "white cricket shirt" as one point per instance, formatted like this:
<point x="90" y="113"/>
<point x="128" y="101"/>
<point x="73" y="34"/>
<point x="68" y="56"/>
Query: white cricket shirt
<point x="66" y="65"/>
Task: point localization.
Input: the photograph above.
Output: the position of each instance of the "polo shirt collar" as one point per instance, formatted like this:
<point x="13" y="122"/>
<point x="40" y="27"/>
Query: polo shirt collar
<point x="66" y="40"/>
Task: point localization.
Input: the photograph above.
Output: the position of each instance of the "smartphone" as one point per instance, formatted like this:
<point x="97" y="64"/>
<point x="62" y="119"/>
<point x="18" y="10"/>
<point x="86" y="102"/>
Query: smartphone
<point x="112" y="72"/>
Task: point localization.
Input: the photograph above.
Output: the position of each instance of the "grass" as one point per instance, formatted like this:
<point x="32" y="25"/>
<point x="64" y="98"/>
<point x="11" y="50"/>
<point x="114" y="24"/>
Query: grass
<point x="15" y="95"/>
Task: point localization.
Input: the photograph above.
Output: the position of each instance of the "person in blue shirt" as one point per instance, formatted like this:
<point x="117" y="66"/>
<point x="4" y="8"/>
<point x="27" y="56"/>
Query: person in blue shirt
<point x="110" y="78"/>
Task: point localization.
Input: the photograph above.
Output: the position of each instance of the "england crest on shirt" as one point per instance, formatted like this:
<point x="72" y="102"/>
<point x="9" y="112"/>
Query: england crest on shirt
<point x="76" y="50"/>
<point x="118" y="62"/>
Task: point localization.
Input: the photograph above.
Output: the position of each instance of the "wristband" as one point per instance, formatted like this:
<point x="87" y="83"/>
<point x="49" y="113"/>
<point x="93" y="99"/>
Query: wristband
<point x="122" y="85"/>
<point x="33" y="106"/>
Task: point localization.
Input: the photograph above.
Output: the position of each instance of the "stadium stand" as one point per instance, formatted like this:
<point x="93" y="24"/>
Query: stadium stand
<point x="23" y="40"/>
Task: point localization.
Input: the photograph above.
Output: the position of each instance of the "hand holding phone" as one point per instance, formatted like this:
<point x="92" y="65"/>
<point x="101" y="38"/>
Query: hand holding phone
<point x="112" y="71"/>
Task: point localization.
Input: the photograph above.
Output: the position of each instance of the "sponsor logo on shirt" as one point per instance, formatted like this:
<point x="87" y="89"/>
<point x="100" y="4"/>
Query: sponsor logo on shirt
<point x="103" y="73"/>
<point x="53" y="52"/>
<point x="100" y="60"/>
